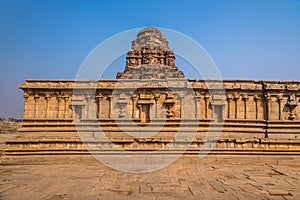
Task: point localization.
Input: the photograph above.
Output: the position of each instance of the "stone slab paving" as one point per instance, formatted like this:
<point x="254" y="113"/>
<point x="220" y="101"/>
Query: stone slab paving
<point x="177" y="181"/>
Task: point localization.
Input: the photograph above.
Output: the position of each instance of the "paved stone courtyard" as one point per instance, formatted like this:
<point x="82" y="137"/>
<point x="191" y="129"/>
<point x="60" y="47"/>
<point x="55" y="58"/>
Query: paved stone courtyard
<point x="177" y="181"/>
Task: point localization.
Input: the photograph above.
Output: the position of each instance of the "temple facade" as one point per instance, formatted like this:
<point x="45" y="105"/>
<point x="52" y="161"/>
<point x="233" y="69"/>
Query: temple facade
<point x="260" y="117"/>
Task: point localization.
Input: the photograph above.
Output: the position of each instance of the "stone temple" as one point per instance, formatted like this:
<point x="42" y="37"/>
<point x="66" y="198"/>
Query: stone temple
<point x="165" y="110"/>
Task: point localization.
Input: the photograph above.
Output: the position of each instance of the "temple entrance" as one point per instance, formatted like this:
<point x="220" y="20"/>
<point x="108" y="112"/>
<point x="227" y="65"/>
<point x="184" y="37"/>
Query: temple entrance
<point x="145" y="113"/>
<point x="218" y="113"/>
<point x="78" y="112"/>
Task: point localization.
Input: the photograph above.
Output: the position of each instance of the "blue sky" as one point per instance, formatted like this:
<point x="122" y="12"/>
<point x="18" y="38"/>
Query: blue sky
<point x="50" y="39"/>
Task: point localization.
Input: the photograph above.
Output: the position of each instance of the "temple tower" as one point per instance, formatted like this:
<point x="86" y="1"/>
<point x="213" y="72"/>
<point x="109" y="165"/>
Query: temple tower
<point x="150" y="57"/>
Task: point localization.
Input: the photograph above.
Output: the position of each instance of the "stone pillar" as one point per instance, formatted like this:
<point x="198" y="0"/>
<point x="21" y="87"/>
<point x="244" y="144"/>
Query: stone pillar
<point x="47" y="97"/>
<point x="25" y="105"/>
<point x="236" y="99"/>
<point x="109" y="97"/>
<point x="72" y="111"/>
<point x="181" y="107"/>
<point x="58" y="106"/>
<point x="36" y="97"/>
<point x="213" y="113"/>
<point x="66" y="110"/>
<point x="256" y="99"/>
<point x="268" y="106"/>
<point x="279" y="99"/>
<point x="93" y="108"/>
<point x="88" y="103"/>
<point x="245" y="99"/>
<point x="156" y="97"/>
<point x="198" y="99"/>
<point x="133" y="99"/>
<point x="229" y="99"/>
<point x="140" y="111"/>
<point x="99" y="98"/>
<point x="206" y="97"/>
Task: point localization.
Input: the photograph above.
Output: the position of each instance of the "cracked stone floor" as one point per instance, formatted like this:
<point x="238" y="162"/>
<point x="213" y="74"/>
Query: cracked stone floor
<point x="177" y="181"/>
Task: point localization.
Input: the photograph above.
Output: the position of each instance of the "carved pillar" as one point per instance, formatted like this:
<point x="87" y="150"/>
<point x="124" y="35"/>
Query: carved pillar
<point x="36" y="97"/>
<point x="88" y="103"/>
<point x="256" y="99"/>
<point x="47" y="97"/>
<point x="99" y="98"/>
<point x="93" y="108"/>
<point x="25" y="105"/>
<point x="109" y="97"/>
<point x="72" y="111"/>
<point x="206" y="97"/>
<point x="156" y="97"/>
<point x="133" y="99"/>
<point x="140" y="111"/>
<point x="65" y="108"/>
<point x="181" y="107"/>
<point x="198" y="99"/>
<point x="279" y="99"/>
<point x="59" y="98"/>
<point x="268" y="106"/>
<point x="236" y="99"/>
<point x="229" y="99"/>
<point x="245" y="99"/>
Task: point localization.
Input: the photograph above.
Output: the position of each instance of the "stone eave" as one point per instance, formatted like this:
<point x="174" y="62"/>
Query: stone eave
<point x="269" y="85"/>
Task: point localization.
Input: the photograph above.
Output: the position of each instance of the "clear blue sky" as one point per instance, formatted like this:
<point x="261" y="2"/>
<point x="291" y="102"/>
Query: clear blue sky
<point x="49" y="39"/>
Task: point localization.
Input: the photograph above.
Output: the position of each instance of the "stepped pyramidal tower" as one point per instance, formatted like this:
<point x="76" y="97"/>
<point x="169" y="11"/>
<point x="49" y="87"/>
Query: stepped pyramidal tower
<point x="150" y="57"/>
<point x="66" y="120"/>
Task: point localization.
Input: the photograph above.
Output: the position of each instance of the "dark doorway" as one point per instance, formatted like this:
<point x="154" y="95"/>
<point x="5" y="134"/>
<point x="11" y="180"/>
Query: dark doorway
<point x="78" y="112"/>
<point x="145" y="113"/>
<point x="219" y="113"/>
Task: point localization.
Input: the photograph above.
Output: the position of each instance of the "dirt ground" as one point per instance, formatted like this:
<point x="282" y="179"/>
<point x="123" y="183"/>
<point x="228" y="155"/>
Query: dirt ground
<point x="177" y="181"/>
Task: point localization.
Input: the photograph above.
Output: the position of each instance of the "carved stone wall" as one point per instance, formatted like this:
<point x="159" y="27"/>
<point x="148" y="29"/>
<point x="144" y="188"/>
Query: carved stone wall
<point x="245" y="100"/>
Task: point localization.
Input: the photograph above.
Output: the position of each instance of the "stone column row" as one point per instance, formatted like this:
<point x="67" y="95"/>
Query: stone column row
<point x="199" y="108"/>
<point x="46" y="109"/>
<point x="267" y="108"/>
<point x="236" y="98"/>
<point x="98" y="98"/>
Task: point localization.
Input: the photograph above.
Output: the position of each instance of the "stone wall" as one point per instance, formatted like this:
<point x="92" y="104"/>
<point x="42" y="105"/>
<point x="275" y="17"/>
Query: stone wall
<point x="245" y="100"/>
<point x="256" y="116"/>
